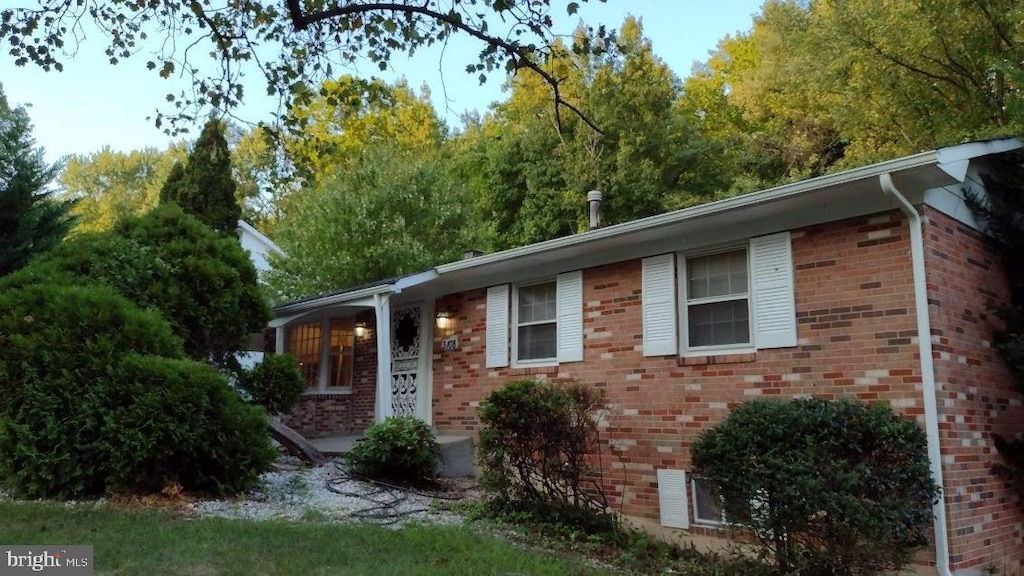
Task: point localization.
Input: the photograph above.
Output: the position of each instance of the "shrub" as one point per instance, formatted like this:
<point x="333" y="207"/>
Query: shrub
<point x="205" y="439"/>
<point x="536" y="443"/>
<point x="402" y="449"/>
<point x="96" y="396"/>
<point x="203" y="283"/>
<point x="827" y="487"/>
<point x="276" y="383"/>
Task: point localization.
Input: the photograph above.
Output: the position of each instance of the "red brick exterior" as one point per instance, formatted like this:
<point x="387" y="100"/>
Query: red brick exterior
<point x="857" y="337"/>
<point x="336" y="414"/>
<point x="975" y="395"/>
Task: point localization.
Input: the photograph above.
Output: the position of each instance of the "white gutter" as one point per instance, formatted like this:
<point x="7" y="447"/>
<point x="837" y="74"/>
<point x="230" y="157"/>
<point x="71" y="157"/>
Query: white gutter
<point x="737" y="202"/>
<point x="924" y="342"/>
<point x="333" y="299"/>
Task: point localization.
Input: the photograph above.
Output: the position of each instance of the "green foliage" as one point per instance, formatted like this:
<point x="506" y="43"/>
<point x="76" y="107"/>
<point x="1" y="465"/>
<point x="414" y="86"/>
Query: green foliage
<point x="97" y="398"/>
<point x="402" y="448"/>
<point x="536" y="443"/>
<point x="32" y="222"/>
<point x="275" y="383"/>
<point x="110" y="185"/>
<point x="393" y="211"/>
<point x="530" y="175"/>
<point x="827" y="487"/>
<point x="204" y="284"/>
<point x="205" y="187"/>
<point x="298" y="47"/>
<point x="205" y="438"/>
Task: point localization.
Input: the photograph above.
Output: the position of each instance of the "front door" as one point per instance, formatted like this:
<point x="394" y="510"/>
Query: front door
<point x="407" y="352"/>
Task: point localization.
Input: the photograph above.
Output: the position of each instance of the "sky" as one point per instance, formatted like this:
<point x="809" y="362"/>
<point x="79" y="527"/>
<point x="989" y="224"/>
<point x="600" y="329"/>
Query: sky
<point x="92" y="104"/>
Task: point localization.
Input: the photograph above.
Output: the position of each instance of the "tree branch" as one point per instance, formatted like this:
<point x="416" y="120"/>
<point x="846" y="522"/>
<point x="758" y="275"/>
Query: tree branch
<point x="520" y="56"/>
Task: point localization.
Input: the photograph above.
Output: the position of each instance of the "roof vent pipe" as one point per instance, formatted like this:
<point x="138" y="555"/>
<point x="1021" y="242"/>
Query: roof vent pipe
<point x="594" y="198"/>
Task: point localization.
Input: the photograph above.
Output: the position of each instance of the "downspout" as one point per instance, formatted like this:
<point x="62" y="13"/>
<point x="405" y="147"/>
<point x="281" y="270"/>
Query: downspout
<point x="924" y="341"/>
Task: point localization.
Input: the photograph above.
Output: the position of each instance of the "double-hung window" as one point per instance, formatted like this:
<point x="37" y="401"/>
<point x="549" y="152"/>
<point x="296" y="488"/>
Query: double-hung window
<point x="717" y="300"/>
<point x="540" y="322"/>
<point x="731" y="300"/>
<point x="536" y="320"/>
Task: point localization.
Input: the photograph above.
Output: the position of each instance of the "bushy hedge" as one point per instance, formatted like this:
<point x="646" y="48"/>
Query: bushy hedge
<point x="537" y="440"/>
<point x="203" y="283"/>
<point x="827" y="487"/>
<point x="402" y="449"/>
<point x="96" y="396"/>
<point x="275" y="383"/>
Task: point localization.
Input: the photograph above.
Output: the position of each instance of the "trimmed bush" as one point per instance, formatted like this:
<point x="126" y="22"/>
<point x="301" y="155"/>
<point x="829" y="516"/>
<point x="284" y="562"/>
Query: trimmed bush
<point x="96" y="396"/>
<point x="402" y="449"/>
<point x="276" y="383"/>
<point x="536" y="443"/>
<point x="203" y="283"/>
<point x="827" y="487"/>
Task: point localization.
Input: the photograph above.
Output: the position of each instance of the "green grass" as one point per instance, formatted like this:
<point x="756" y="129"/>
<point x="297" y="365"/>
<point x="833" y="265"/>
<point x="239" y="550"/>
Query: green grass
<point x="152" y="542"/>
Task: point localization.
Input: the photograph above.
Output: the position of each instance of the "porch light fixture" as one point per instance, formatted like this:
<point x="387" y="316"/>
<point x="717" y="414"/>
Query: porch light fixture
<point x="361" y="330"/>
<point x="445" y="320"/>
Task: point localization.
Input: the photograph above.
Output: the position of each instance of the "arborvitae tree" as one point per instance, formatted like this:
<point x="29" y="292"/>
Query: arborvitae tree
<point x="205" y="187"/>
<point x="170" y="190"/>
<point x="31" y="220"/>
<point x="1004" y="214"/>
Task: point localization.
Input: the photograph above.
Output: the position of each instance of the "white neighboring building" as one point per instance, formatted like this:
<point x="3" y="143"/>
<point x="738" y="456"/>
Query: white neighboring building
<point x="259" y="248"/>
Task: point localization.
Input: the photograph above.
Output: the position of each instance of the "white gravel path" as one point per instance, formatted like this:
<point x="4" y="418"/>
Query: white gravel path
<point x="303" y="494"/>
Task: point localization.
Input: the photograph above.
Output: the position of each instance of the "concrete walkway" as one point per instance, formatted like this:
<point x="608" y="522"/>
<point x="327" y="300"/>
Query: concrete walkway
<point x="457" y="455"/>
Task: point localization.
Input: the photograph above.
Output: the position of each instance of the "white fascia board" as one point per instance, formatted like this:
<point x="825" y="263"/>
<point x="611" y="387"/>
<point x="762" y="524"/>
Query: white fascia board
<point x="414" y="280"/>
<point x="349" y="298"/>
<point x="954" y="160"/>
<point x="260" y="237"/>
<point x="738" y="202"/>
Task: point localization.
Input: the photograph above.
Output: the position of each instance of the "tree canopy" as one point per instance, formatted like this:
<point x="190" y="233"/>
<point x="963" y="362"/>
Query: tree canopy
<point x="295" y="47"/>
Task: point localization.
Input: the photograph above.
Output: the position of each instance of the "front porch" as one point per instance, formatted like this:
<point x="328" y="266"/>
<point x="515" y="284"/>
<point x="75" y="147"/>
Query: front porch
<point x="457" y="455"/>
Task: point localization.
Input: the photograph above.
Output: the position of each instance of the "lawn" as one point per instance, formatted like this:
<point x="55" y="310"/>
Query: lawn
<point x="163" y="542"/>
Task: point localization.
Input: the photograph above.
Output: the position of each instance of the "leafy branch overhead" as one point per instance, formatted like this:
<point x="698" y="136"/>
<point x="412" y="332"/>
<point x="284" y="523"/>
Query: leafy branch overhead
<point x="294" y="47"/>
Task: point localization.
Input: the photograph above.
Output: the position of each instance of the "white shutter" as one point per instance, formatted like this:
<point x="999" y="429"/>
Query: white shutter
<point x="771" y="266"/>
<point x="570" y="316"/>
<point x="497" y="326"/>
<point x="659" y="305"/>
<point x="675" y="511"/>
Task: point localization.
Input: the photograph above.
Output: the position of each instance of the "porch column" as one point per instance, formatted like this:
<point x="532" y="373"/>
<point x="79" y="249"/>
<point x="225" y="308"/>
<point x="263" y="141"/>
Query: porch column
<point x="382" y="309"/>
<point x="279" y="340"/>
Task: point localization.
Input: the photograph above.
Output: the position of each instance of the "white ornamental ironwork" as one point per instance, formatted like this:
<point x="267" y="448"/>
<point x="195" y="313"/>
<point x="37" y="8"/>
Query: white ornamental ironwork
<point x="405" y="360"/>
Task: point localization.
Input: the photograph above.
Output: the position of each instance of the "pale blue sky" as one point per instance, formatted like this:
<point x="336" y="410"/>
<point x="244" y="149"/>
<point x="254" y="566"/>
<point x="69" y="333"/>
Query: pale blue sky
<point x="93" y="104"/>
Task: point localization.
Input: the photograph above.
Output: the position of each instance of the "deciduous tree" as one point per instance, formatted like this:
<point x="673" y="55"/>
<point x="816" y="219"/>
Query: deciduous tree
<point x="295" y="46"/>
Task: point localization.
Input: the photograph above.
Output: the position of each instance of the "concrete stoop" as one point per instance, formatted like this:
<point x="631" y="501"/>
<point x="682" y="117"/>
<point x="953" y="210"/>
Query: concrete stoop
<point x="457" y="454"/>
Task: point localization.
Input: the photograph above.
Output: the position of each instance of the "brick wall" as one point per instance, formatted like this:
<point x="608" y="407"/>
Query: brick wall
<point x="333" y="414"/>
<point x="975" y="395"/>
<point x="855" y="308"/>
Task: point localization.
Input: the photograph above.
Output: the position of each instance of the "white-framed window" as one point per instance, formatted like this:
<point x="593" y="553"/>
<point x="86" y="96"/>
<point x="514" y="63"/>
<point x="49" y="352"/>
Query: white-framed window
<point x="535" y="321"/>
<point x="539" y="322"/>
<point x="716" y="302"/>
<point x="325" y="350"/>
<point x="733" y="300"/>
<point x="707" y="506"/>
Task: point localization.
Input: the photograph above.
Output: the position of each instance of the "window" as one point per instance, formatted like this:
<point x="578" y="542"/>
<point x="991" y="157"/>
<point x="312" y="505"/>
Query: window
<point x="304" y="344"/>
<point x="329" y="343"/>
<point x="717" y="300"/>
<point x="536" y="323"/>
<point x="707" y="506"/>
